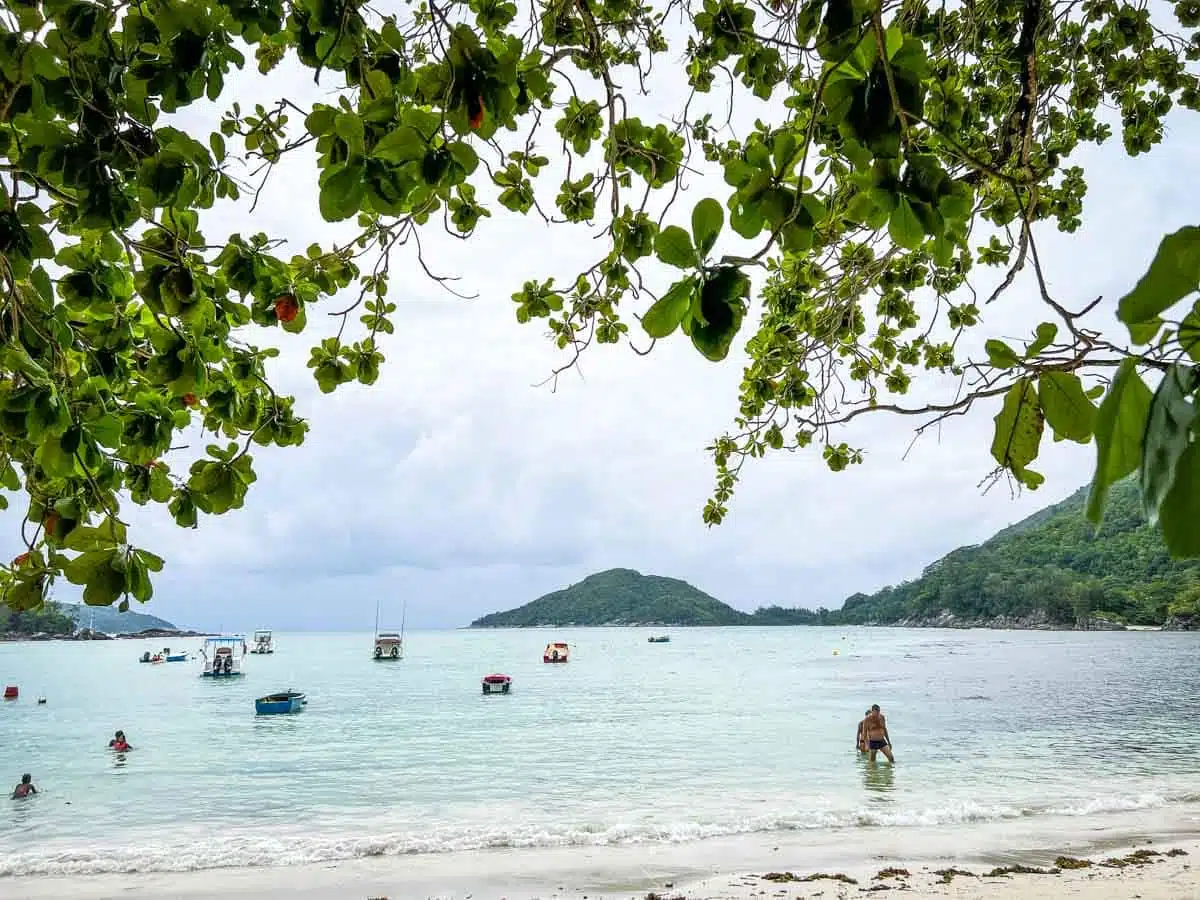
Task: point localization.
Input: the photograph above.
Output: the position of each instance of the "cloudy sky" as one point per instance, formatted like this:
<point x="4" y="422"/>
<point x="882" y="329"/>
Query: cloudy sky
<point x="456" y="484"/>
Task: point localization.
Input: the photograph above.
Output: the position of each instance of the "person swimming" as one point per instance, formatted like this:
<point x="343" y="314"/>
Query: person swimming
<point x="119" y="743"/>
<point x="25" y="788"/>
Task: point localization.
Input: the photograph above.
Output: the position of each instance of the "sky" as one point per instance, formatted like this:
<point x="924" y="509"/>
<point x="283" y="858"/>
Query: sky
<point x="455" y="486"/>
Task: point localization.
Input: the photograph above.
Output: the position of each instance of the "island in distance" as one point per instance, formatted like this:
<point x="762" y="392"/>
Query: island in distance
<point x="1051" y="570"/>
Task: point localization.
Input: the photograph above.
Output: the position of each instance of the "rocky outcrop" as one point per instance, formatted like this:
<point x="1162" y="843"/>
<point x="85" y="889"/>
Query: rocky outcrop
<point x="1181" y="623"/>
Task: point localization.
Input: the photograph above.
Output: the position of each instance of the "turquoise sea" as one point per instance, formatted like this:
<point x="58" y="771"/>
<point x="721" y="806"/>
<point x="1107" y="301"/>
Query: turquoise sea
<point x="720" y="732"/>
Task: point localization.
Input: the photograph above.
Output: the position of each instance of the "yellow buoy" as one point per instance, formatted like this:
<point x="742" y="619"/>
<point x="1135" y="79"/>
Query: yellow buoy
<point x="836" y="652"/>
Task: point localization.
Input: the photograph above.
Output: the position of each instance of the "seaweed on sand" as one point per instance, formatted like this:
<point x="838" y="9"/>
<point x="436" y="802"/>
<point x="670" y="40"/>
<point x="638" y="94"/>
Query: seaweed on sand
<point x="892" y="872"/>
<point x="1136" y="858"/>
<point x="1019" y="869"/>
<point x="947" y="875"/>
<point x="1070" y="862"/>
<point x="785" y="877"/>
<point x="1176" y="852"/>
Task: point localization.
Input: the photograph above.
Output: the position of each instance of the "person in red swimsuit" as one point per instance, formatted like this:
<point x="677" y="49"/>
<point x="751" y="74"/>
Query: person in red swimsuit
<point x="25" y="788"/>
<point x="119" y="743"/>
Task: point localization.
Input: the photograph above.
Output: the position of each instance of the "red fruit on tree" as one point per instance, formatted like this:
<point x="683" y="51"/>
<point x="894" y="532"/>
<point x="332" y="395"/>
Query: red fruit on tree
<point x="190" y="399"/>
<point x="20" y="560"/>
<point x="51" y="521"/>
<point x="286" y="308"/>
<point x="475" y="111"/>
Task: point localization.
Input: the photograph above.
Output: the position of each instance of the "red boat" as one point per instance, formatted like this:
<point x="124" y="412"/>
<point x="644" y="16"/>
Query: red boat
<point x="555" y="652"/>
<point x="10" y="692"/>
<point x="496" y="684"/>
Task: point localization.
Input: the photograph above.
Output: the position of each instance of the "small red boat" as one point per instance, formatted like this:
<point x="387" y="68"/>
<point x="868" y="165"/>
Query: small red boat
<point x="497" y="684"/>
<point x="10" y="692"/>
<point x="555" y="652"/>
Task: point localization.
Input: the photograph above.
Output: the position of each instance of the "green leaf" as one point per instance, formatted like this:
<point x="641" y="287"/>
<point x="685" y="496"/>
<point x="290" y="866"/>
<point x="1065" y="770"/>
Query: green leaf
<point x="1044" y="336"/>
<point x="1145" y="332"/>
<point x="1180" y="508"/>
<point x="1189" y="333"/>
<point x="1173" y="274"/>
<point x="708" y="218"/>
<point x="665" y="314"/>
<point x="1066" y="407"/>
<point x="674" y="247"/>
<point x="1018" y="435"/>
<point x="1120" y="426"/>
<point x="1001" y="355"/>
<point x="341" y="193"/>
<point x="1168" y="434"/>
<point x="720" y="313"/>
<point x="905" y="227"/>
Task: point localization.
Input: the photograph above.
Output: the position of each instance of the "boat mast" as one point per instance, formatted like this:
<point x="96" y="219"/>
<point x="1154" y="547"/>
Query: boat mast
<point x="403" y="619"/>
<point x="376" y="617"/>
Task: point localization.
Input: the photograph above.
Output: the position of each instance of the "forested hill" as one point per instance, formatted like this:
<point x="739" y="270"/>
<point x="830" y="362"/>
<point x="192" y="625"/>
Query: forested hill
<point x="626" y="597"/>
<point x="1053" y="563"/>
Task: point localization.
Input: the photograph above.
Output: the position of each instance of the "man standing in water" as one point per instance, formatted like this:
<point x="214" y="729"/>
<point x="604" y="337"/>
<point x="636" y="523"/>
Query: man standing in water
<point x="860" y="737"/>
<point x="875" y="730"/>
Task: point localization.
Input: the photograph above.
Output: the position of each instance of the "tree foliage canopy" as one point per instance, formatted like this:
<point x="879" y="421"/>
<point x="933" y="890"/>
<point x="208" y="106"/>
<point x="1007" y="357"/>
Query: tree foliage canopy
<point x="899" y="148"/>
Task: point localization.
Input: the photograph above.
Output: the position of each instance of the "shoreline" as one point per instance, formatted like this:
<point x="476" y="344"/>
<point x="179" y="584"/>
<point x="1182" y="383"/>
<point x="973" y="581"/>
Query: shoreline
<point x="1152" y="853"/>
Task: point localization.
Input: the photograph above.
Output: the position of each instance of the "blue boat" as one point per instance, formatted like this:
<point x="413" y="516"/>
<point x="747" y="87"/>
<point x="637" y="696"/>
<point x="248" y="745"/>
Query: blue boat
<point x="280" y="704"/>
<point x="181" y="657"/>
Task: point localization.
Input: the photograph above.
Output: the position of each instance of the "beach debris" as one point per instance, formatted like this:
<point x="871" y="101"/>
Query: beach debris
<point x="1177" y="852"/>
<point x="948" y="875"/>
<point x="1019" y="869"/>
<point x="1136" y="858"/>
<point x="786" y="877"/>
<point x="1070" y="862"/>
<point x="891" y="872"/>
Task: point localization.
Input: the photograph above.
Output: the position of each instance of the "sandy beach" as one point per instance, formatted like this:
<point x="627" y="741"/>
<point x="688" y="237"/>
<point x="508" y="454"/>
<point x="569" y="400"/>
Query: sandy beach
<point x="1132" y="857"/>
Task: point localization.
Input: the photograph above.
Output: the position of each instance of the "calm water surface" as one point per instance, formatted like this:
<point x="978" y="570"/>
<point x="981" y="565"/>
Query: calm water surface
<point x="719" y="732"/>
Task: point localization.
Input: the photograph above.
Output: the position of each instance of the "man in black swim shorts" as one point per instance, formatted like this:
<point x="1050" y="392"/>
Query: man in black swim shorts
<point x="875" y="727"/>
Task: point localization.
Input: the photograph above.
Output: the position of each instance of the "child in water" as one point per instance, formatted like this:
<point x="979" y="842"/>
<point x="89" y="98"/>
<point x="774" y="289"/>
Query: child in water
<point x="119" y="743"/>
<point x="25" y="788"/>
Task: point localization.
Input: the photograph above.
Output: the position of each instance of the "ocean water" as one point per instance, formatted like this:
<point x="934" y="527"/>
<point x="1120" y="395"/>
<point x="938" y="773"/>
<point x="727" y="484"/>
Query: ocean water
<point x="720" y="732"/>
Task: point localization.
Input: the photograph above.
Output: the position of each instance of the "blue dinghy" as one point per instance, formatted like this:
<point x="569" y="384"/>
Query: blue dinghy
<point x="280" y="704"/>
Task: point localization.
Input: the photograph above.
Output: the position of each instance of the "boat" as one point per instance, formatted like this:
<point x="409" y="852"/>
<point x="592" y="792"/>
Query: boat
<point x="263" y="642"/>
<point x="497" y="684"/>
<point x="11" y="692"/>
<point x="555" y="652"/>
<point x="155" y="659"/>
<point x="280" y="704"/>
<point x="177" y="657"/>
<point x="661" y="639"/>
<point x="221" y="656"/>
<point x="389" y="645"/>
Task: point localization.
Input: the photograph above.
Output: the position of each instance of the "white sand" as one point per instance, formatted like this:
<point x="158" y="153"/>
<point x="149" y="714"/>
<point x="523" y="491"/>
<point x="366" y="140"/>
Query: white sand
<point x="715" y="869"/>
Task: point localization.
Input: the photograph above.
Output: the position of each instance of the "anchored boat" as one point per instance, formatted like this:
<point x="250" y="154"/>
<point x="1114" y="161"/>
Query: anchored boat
<point x="497" y="684"/>
<point x="263" y="642"/>
<point x="555" y="652"/>
<point x="661" y="639"/>
<point x="223" y="656"/>
<point x="389" y="645"/>
<point x="280" y="704"/>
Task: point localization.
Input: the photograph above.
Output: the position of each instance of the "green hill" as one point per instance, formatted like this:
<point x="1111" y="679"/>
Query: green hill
<point x="626" y="597"/>
<point x="619" y="597"/>
<point x="1053" y="566"/>
<point x="111" y="621"/>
